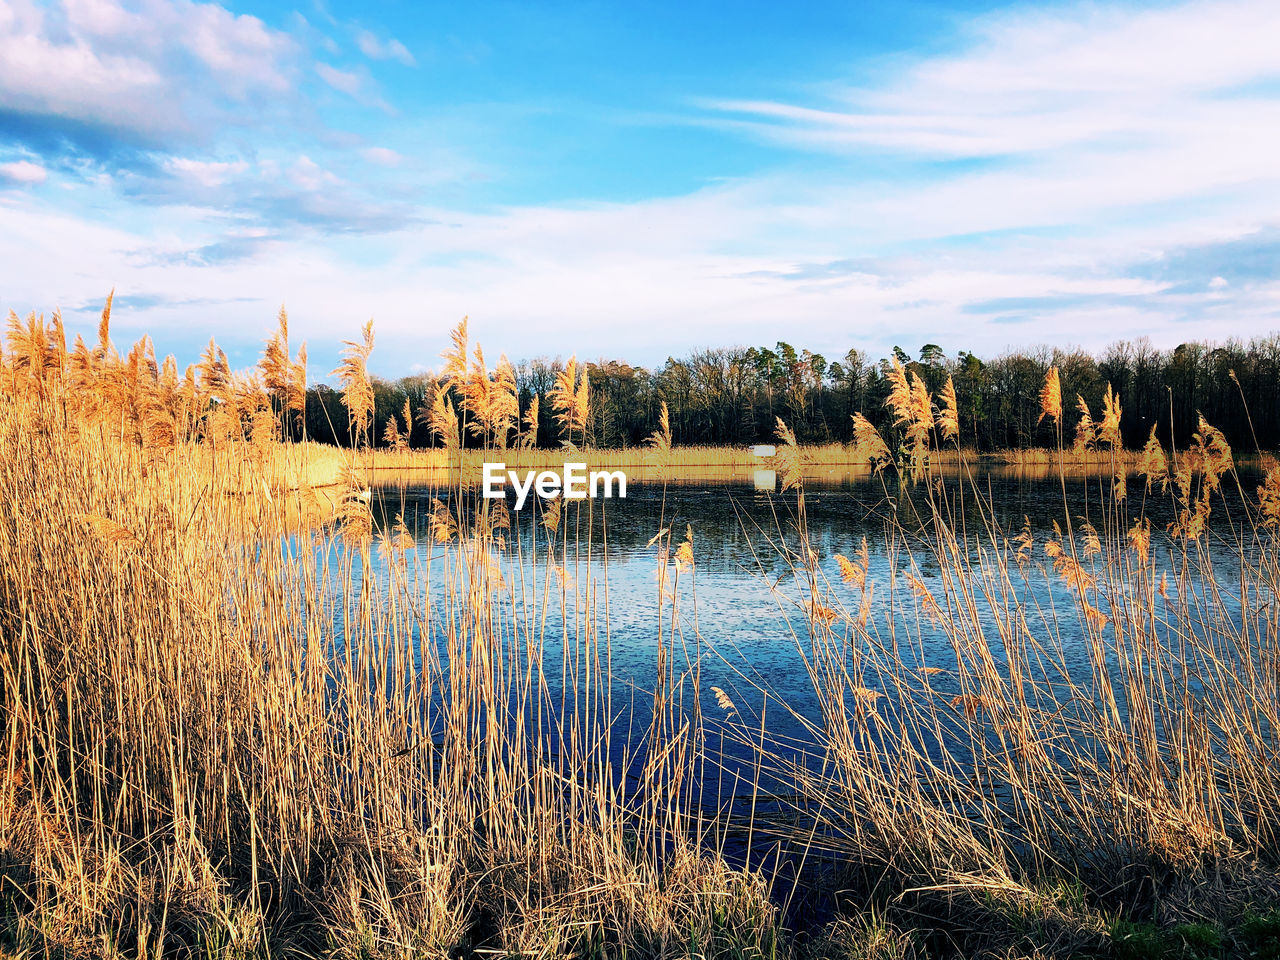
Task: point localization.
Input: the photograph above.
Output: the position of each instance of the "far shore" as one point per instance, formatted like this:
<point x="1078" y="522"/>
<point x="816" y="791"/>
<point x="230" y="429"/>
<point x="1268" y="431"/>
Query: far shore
<point x="320" y="466"/>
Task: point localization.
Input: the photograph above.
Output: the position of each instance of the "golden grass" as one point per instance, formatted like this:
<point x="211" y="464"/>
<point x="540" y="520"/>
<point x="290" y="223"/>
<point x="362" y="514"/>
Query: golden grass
<point x="219" y="740"/>
<point x="1011" y="759"/>
<point x="226" y="735"/>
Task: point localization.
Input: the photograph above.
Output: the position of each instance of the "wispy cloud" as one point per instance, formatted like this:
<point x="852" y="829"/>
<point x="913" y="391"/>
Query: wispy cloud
<point x="148" y="301"/>
<point x="207" y="173"/>
<point x="382" y="156"/>
<point x="1250" y="259"/>
<point x="274" y="192"/>
<point x="1066" y="111"/>
<point x="232" y="248"/>
<point x="348" y="81"/>
<point x="1075" y="174"/>
<point x="1038" y="81"/>
<point x="375" y="49"/>
<point x="355" y="83"/>
<point x="23" y="172"/>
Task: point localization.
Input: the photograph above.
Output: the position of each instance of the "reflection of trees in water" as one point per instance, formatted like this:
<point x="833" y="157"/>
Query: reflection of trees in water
<point x="735" y="525"/>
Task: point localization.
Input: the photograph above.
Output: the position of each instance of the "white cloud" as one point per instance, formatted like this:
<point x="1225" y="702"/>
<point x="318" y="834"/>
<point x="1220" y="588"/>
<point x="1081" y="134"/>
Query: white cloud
<point x="23" y="172"/>
<point x="310" y="176"/>
<point x="375" y="49"/>
<point x="1092" y="108"/>
<point x="99" y="62"/>
<point x="345" y="81"/>
<point x="207" y="173"/>
<point x="356" y="84"/>
<point x="103" y="19"/>
<point x="1101" y="149"/>
<point x="382" y="156"/>
<point x="87" y="83"/>
<point x="240" y="50"/>
<point x="638" y="280"/>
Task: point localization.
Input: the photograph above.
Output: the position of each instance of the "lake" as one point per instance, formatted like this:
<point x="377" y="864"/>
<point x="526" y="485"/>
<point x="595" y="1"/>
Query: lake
<point x="744" y="621"/>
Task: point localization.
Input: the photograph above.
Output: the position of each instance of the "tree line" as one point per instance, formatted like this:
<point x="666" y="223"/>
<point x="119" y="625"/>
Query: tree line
<point x="736" y="395"/>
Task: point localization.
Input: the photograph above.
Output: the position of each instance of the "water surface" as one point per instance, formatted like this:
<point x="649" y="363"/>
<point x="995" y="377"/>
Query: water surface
<point x="743" y="624"/>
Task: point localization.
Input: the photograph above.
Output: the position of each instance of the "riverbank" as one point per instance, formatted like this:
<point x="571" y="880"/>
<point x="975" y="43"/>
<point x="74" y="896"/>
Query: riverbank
<point x="317" y="465"/>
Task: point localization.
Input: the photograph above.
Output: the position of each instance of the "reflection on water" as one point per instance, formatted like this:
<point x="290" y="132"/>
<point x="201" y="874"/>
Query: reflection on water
<point x="743" y="620"/>
<point x="745" y="624"/>
<point x="754" y="474"/>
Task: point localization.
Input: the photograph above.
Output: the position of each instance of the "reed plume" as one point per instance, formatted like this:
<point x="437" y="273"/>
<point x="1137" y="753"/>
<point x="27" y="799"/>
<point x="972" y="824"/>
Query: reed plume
<point x="788" y="457"/>
<point x="1086" y="430"/>
<point x="1269" y="493"/>
<point x="912" y="408"/>
<point x="275" y="363"/>
<point x="1153" y="465"/>
<point x="353" y="512"/>
<point x="505" y="416"/>
<point x="455" y="357"/>
<point x="529" y="435"/>
<point x="215" y="372"/>
<point x="104" y="351"/>
<point x="391" y="434"/>
<point x="854" y="572"/>
<point x="869" y="444"/>
<point x="684" y="553"/>
<point x="108" y="530"/>
<point x="659" y="442"/>
<point x="1109" y="428"/>
<point x="948" y="414"/>
<point x="1051" y="397"/>
<point x="899" y="399"/>
<point x="570" y="399"/>
<point x="28" y="350"/>
<point x="443" y="421"/>
<point x="921" y="409"/>
<point x="298" y="386"/>
<point x="724" y="702"/>
<point x="353" y="376"/>
<point x="1207" y="459"/>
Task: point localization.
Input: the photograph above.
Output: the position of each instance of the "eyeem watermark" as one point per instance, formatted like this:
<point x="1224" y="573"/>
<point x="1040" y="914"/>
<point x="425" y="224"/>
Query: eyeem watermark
<point x="573" y="483"/>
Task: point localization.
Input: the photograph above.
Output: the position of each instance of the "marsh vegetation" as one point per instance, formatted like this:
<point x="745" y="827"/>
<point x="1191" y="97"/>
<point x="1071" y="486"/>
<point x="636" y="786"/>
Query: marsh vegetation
<point x="250" y="708"/>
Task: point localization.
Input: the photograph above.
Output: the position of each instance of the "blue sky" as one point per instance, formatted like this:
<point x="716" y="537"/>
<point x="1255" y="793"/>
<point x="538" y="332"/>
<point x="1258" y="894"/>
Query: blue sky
<point x="637" y="180"/>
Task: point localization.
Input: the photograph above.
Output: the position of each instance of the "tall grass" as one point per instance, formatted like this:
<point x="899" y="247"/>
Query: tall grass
<point x="229" y="732"/>
<point x="1105" y="716"/>
<point x="223" y="735"/>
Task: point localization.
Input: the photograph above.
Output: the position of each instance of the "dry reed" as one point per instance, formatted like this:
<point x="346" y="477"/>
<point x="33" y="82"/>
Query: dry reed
<point x="227" y="736"/>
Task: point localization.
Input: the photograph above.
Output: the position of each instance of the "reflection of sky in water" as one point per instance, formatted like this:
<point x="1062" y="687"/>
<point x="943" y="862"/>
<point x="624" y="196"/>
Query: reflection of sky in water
<point x="748" y="622"/>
